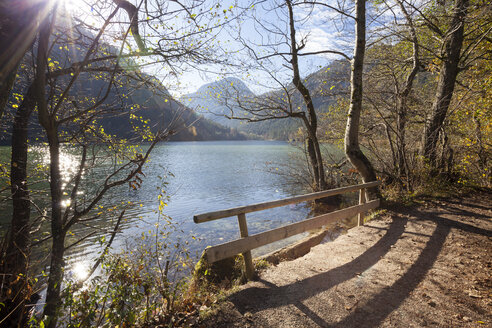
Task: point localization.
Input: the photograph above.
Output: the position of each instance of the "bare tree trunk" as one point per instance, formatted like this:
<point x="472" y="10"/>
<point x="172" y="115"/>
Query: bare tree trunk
<point x="16" y="261"/>
<point x="447" y="79"/>
<point x="352" y="148"/>
<point x="313" y="131"/>
<point x="18" y="29"/>
<point x="401" y="121"/>
<point x="312" y="159"/>
<point x="311" y="120"/>
<point x="132" y="12"/>
<point x="402" y="110"/>
<point x="53" y="298"/>
<point x="315" y="156"/>
<point x="6" y="85"/>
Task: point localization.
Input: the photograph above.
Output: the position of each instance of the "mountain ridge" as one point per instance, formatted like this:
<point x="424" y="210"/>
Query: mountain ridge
<point x="326" y="86"/>
<point x="127" y="98"/>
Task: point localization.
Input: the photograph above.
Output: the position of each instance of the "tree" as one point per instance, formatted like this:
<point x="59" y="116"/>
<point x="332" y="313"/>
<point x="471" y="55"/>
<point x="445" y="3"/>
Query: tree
<point x="403" y="62"/>
<point x="451" y="53"/>
<point x="290" y="100"/>
<point x="18" y="19"/>
<point x="69" y="118"/>
<point x="469" y="116"/>
<point x="352" y="148"/>
<point x="310" y="120"/>
<point x="18" y="33"/>
<point x="393" y="64"/>
<point x="16" y="258"/>
<point x="403" y="95"/>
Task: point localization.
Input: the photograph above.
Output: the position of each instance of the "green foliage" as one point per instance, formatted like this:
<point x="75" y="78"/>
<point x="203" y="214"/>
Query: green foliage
<point x="332" y="122"/>
<point x="146" y="282"/>
<point x="470" y="124"/>
<point x="143" y="284"/>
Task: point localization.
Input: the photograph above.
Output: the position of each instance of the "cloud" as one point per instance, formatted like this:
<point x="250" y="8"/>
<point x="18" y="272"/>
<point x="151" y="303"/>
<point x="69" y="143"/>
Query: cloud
<point x="328" y="37"/>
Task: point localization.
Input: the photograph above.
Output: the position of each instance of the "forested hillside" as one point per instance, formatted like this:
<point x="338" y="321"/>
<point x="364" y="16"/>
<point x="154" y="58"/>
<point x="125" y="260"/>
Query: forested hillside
<point x="134" y="101"/>
<point x="221" y="101"/>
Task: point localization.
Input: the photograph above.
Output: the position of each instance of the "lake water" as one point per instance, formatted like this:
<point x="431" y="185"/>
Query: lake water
<point x="210" y="176"/>
<point x="206" y="176"/>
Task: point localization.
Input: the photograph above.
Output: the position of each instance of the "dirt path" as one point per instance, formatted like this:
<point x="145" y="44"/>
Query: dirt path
<point x="418" y="266"/>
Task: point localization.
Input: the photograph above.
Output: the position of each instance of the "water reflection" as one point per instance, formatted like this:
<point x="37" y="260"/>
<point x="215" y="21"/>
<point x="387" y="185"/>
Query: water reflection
<point x="80" y="270"/>
<point x="206" y="176"/>
<point x="69" y="160"/>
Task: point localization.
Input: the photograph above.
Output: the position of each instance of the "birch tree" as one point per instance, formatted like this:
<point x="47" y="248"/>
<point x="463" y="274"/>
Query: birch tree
<point x="352" y="147"/>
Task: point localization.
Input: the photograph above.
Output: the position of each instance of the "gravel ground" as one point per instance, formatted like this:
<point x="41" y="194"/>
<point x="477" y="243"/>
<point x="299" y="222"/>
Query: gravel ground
<point x="425" y="265"/>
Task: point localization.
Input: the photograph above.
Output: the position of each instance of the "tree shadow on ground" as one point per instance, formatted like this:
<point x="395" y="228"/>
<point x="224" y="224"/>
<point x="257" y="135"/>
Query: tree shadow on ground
<point x="385" y="302"/>
<point x="462" y="203"/>
<point x="379" y="306"/>
<point x="256" y="299"/>
<point x="465" y="213"/>
<point x="456" y="204"/>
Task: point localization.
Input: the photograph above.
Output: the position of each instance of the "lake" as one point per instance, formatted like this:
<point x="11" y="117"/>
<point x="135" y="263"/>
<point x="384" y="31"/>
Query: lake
<point x="198" y="177"/>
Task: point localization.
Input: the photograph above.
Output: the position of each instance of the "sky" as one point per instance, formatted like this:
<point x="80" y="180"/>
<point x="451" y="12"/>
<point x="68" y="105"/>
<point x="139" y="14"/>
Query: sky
<point x="259" y="25"/>
<point x="322" y="29"/>
<point x="318" y="28"/>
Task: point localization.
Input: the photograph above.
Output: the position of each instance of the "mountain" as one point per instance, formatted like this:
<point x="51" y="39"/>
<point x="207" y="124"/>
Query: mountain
<point x="215" y="100"/>
<point x="156" y="106"/>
